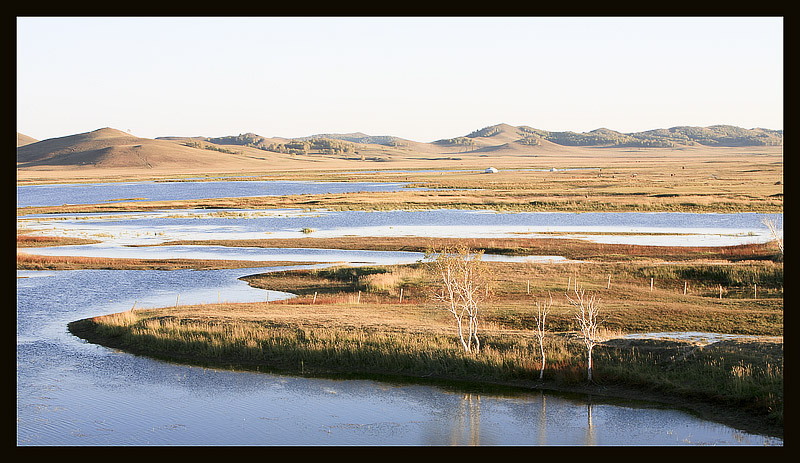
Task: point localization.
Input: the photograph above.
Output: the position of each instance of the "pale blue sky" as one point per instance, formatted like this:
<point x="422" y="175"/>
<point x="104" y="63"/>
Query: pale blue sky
<point x="413" y="77"/>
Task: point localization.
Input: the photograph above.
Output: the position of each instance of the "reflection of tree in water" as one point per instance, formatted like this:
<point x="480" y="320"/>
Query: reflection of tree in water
<point x="590" y="438"/>
<point x="543" y="421"/>
<point x="468" y="421"/>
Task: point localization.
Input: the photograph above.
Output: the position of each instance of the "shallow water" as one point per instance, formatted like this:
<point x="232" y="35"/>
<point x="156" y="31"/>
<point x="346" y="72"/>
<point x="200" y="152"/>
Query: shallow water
<point x="74" y="393"/>
<point x="669" y="229"/>
<point x="349" y="257"/>
<point x="95" y="193"/>
<point x="694" y="336"/>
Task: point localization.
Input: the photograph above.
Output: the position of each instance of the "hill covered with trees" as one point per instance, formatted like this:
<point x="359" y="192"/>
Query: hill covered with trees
<point x="716" y="135"/>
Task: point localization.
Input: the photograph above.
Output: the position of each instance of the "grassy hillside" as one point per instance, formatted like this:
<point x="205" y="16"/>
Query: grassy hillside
<point x="107" y="148"/>
<point x="717" y="135"/>
<point x="23" y="139"/>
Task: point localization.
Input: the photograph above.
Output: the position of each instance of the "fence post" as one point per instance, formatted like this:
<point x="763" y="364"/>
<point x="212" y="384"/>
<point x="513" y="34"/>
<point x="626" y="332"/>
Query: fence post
<point x="315" y="298"/>
<point x="651" y="285"/>
<point x="685" y="284"/>
<point x="608" y="285"/>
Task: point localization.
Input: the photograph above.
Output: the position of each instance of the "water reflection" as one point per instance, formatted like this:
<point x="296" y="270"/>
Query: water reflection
<point x="590" y="437"/>
<point x="466" y="430"/>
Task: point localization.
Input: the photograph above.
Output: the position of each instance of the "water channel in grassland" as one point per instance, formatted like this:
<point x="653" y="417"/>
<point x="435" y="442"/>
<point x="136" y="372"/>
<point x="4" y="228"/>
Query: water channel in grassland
<point x="98" y="193"/>
<point x="669" y="229"/>
<point x="70" y="392"/>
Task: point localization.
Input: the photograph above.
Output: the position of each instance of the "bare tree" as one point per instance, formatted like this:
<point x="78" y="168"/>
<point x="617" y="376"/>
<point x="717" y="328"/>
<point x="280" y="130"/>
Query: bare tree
<point x="463" y="284"/>
<point x="541" y="316"/>
<point x="773" y="230"/>
<point x="587" y="322"/>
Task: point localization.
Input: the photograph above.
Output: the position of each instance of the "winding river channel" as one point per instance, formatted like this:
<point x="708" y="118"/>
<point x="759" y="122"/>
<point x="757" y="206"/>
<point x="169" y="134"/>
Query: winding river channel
<point x="73" y="393"/>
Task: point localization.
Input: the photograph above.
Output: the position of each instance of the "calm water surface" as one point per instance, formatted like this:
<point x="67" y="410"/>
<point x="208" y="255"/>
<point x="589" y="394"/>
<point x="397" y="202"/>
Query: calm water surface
<point x="673" y="229"/>
<point x="95" y="193"/>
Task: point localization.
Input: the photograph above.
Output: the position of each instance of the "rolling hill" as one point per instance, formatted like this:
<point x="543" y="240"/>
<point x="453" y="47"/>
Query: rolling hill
<point x="23" y="140"/>
<point x="109" y="148"/>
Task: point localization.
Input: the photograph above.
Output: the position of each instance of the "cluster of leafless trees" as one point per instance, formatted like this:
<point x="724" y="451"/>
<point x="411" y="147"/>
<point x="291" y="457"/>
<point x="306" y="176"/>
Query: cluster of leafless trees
<point x="464" y="284"/>
<point x="462" y="287"/>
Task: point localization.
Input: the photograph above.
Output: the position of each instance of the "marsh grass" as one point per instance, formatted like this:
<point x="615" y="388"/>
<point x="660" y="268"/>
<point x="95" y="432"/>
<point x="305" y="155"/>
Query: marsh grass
<point x="388" y="340"/>
<point x="570" y="248"/>
<point x="743" y="374"/>
<point x="33" y="241"/>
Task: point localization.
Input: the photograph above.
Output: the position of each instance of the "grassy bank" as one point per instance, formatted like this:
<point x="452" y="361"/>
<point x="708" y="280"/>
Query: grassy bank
<point x="34" y="241"/>
<point x="349" y="321"/>
<point x="35" y="262"/>
<point x="737" y="376"/>
<point x="574" y="249"/>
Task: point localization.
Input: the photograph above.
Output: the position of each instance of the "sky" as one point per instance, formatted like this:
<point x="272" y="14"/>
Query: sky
<point x="419" y="78"/>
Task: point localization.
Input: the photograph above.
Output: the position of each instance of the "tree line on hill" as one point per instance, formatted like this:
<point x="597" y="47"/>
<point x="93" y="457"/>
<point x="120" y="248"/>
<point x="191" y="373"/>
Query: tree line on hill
<point x="716" y="135"/>
<point x="306" y="145"/>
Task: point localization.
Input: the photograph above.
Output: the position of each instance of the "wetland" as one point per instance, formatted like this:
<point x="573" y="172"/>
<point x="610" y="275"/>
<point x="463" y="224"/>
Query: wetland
<point x="303" y="319"/>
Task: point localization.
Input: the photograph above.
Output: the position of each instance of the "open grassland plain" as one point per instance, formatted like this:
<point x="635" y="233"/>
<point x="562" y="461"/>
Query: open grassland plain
<point x="588" y="179"/>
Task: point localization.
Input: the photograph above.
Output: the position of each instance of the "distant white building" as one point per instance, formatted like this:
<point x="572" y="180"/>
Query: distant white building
<point x="553" y="169"/>
<point x="490" y="170"/>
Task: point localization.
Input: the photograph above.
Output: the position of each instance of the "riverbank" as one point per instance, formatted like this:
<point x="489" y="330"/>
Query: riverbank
<point x="35" y="262"/>
<point x="574" y="249"/>
<point x="333" y="340"/>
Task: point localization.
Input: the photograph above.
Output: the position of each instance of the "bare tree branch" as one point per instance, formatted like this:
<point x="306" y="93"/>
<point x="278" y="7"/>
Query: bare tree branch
<point x="462" y="288"/>
<point x="541" y="316"/>
<point x="587" y="322"/>
<point x="773" y="230"/>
